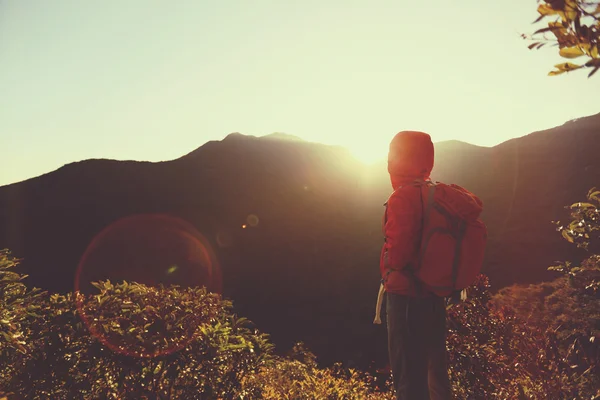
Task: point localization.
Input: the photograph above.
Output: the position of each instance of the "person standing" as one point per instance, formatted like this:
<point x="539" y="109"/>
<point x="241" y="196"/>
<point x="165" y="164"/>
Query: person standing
<point x="416" y="317"/>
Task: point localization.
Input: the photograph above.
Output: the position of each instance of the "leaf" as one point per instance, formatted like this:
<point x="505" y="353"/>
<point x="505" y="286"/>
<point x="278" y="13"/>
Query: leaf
<point x="567" y="66"/>
<point x="549" y="29"/>
<point x="586" y="205"/>
<point x="573" y="225"/>
<point x="554" y="73"/>
<point x="571" y="3"/>
<point x="532" y="45"/>
<point x="594" y="62"/>
<point x="589" y="50"/>
<point x="567" y="236"/>
<point x="593" y="194"/>
<point x="545" y="9"/>
<point x="571" y="52"/>
<point x="571" y="14"/>
<point x="561" y="33"/>
<point x="158" y="368"/>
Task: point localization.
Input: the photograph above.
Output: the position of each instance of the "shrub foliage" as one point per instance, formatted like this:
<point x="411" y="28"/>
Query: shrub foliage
<point x="140" y="342"/>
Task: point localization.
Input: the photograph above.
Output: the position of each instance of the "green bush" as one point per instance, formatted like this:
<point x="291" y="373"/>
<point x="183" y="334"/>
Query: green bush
<point x="571" y="303"/>
<point x="566" y="311"/>
<point x="298" y="377"/>
<point x="495" y="354"/>
<point x="145" y="342"/>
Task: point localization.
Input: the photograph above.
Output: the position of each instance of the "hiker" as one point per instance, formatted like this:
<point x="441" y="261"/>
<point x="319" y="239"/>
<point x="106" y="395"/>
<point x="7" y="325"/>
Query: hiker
<point x="416" y="306"/>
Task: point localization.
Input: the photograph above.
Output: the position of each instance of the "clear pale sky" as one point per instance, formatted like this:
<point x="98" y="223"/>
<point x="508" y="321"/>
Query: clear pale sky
<point x="153" y="80"/>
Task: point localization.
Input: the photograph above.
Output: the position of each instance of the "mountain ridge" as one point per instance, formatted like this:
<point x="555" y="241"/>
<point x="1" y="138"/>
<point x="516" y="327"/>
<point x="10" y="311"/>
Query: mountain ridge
<point x="293" y="138"/>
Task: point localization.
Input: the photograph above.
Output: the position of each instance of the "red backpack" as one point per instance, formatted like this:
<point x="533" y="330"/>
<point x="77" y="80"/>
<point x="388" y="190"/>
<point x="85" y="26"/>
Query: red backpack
<point x="453" y="238"/>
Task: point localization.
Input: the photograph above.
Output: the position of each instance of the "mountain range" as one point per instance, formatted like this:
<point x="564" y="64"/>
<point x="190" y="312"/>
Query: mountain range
<point x="289" y="230"/>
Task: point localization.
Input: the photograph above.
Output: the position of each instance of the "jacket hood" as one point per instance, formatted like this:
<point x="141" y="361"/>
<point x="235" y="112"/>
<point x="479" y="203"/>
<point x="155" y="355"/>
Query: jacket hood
<point x="410" y="157"/>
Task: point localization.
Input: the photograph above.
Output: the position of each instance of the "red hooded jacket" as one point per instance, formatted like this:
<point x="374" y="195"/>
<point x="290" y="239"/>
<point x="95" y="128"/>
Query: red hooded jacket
<point x="410" y="159"/>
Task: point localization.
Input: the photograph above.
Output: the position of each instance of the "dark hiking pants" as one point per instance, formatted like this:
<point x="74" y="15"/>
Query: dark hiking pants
<point x="417" y="347"/>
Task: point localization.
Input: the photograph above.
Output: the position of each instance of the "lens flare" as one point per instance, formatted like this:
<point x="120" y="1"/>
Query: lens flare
<point x="224" y="239"/>
<point x="151" y="250"/>
<point x="252" y="220"/>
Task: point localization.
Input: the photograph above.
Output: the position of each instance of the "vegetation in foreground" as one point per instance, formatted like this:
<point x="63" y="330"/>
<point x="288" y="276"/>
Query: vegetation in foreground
<point x="130" y="341"/>
<point x="574" y="27"/>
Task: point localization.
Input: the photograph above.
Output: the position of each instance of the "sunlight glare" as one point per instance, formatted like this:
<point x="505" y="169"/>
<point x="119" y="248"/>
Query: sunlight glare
<point x="369" y="153"/>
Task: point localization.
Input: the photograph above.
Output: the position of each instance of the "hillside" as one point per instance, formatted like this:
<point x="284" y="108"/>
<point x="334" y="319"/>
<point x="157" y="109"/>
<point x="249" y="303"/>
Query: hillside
<point x="307" y="269"/>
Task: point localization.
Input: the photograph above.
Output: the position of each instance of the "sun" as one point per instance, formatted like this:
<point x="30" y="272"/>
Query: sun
<point x="369" y="152"/>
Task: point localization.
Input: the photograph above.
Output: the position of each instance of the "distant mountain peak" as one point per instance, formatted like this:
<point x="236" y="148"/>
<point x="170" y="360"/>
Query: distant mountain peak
<point x="283" y="136"/>
<point x="238" y="136"/>
<point x="243" y="139"/>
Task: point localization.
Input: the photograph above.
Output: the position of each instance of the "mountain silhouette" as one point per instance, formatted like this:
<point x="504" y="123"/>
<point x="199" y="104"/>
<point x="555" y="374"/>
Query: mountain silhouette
<point x="289" y="230"/>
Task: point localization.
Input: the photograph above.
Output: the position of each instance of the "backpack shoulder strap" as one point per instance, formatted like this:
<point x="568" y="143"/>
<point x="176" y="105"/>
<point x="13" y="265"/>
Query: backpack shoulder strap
<point x="425" y="211"/>
<point x="416" y="182"/>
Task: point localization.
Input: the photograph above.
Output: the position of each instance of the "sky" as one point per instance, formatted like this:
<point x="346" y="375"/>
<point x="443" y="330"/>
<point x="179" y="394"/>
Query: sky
<point x="153" y="80"/>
